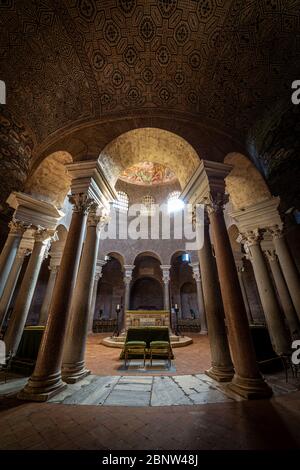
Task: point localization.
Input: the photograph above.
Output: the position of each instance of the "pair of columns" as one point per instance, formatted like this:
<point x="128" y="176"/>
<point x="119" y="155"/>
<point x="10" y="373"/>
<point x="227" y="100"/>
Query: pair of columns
<point x="288" y="267"/>
<point x="207" y="186"/>
<point x="61" y="354"/>
<point x="275" y="322"/>
<point x="42" y="238"/>
<point x="11" y="282"/>
<point x="283" y="294"/>
<point x="10" y="250"/>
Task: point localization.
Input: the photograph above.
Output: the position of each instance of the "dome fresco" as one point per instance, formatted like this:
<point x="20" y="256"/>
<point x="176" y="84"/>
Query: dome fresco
<point x="148" y="173"/>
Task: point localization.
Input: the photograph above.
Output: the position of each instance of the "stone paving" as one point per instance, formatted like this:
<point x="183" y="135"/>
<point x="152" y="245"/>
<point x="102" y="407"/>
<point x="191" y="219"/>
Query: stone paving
<point x="186" y="412"/>
<point x="257" y="424"/>
<point x="135" y="391"/>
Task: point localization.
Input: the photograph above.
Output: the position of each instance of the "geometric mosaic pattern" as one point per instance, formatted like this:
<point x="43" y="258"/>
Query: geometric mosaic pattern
<point x="68" y="62"/>
<point x="15" y="153"/>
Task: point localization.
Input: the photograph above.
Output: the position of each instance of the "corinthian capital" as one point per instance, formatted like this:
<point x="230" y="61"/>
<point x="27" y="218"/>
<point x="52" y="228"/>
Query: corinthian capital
<point x="93" y="218"/>
<point x="104" y="219"/>
<point x="249" y="238"/>
<point x="215" y="202"/>
<point x="276" y="231"/>
<point x="17" y="227"/>
<point x="42" y="234"/>
<point x="81" y="202"/>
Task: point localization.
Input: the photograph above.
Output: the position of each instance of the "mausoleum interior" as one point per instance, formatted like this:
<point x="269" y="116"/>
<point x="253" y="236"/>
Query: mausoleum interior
<point x="149" y="217"/>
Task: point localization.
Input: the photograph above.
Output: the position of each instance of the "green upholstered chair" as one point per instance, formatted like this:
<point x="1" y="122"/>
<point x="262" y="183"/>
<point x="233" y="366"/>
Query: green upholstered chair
<point x="139" y="340"/>
<point x="132" y="348"/>
<point x="161" y="349"/>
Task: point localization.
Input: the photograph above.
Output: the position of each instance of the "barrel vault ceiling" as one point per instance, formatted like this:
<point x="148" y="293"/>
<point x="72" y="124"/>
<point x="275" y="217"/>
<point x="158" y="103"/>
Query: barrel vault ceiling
<point x="70" y="63"/>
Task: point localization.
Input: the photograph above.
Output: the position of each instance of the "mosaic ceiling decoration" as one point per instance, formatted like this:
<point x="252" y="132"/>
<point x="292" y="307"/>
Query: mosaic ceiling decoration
<point x="275" y="145"/>
<point x="16" y="147"/>
<point x="148" y="173"/>
<point x="67" y="62"/>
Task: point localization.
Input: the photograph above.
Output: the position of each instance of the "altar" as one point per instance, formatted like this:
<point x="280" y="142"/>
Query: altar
<point x="147" y="318"/>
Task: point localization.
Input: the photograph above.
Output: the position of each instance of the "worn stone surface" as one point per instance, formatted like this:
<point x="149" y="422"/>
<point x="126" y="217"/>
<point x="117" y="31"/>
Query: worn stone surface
<point x="227" y="425"/>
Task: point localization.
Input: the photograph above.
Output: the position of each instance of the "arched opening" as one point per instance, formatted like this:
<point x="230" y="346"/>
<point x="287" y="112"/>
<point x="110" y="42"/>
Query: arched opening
<point x="183" y="285"/>
<point x="50" y="181"/>
<point x="188" y="298"/>
<point x="146" y="294"/>
<point x="110" y="289"/>
<point x="145" y="147"/>
<point x="146" y="291"/>
<point x="113" y="255"/>
<point x="244" y="184"/>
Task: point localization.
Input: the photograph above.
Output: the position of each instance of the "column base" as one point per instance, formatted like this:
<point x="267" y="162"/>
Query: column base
<point x="76" y="377"/>
<point x="203" y="332"/>
<point x="74" y="372"/>
<point x="220" y="373"/>
<point x="250" y="388"/>
<point x="42" y="388"/>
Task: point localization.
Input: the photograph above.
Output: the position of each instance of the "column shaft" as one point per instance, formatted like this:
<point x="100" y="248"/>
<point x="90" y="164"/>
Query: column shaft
<point x="222" y="368"/>
<point x="93" y="304"/>
<point x="19" y="315"/>
<point x="46" y="379"/>
<point x="9" y="251"/>
<point x="289" y="270"/>
<point x="202" y="315"/>
<point x="284" y="296"/>
<point x="247" y="380"/>
<point x="48" y="295"/>
<point x="73" y="368"/>
<point x="200" y="301"/>
<point x="10" y="285"/>
<point x="274" y="319"/>
<point x="127" y="282"/>
<point x="166" y="296"/>
<point x="127" y="293"/>
<point x="245" y="297"/>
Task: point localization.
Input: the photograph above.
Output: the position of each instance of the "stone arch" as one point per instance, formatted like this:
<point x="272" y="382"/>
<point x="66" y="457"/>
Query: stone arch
<point x="178" y="253"/>
<point x="244" y="184"/>
<point x="150" y="254"/>
<point x="149" y="144"/>
<point x="50" y="181"/>
<point x="188" y="299"/>
<point x="118" y="256"/>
